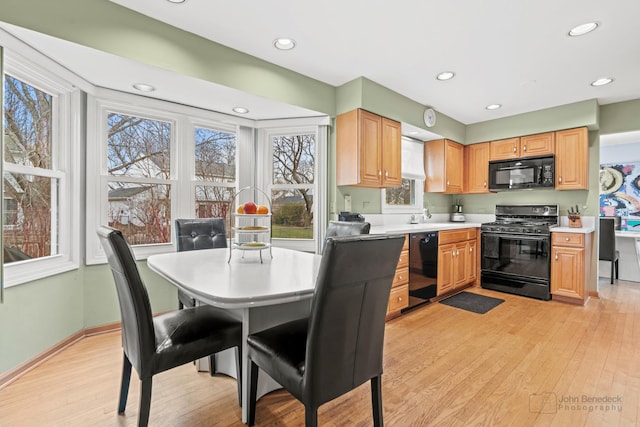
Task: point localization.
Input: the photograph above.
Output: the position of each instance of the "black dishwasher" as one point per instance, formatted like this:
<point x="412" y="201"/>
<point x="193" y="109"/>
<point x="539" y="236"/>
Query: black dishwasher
<point x="423" y="267"/>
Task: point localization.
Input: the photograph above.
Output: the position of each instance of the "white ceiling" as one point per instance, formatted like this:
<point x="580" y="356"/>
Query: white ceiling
<point x="513" y="52"/>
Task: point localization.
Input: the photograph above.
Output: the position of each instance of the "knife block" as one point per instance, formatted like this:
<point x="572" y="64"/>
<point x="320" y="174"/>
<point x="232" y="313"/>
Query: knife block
<point x="575" y="221"/>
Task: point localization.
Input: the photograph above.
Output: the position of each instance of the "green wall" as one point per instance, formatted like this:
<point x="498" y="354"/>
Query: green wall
<point x="620" y="117"/>
<point x="109" y="27"/>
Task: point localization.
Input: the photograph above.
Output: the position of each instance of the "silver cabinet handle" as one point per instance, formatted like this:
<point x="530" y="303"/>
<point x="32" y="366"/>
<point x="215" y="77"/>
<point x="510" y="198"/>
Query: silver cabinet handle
<point x="515" y="149"/>
<point x="386" y="174"/>
<point x="556" y="255"/>
<point x="566" y="239"/>
<point x="559" y="179"/>
<point x="484" y="184"/>
<point x="379" y="172"/>
<point x="524" y="148"/>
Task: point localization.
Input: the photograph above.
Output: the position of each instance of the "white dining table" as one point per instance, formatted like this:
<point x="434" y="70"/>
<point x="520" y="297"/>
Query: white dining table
<point x="261" y="294"/>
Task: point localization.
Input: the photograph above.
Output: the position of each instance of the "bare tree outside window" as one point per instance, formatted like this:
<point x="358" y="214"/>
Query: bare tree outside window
<point x="215" y="166"/>
<point x="404" y="195"/>
<point x="292" y="185"/>
<point x="27" y="142"/>
<point x="139" y="148"/>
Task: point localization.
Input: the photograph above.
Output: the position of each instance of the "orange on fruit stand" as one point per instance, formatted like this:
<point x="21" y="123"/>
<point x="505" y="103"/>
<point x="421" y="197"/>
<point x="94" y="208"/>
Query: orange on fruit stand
<point x="240" y="209"/>
<point x="262" y="209"/>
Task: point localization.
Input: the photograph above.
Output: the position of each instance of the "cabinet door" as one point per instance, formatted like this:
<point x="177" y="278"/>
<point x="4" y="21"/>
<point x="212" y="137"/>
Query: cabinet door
<point x="572" y="159"/>
<point x="567" y="272"/>
<point x="460" y="264"/>
<point x="445" y="268"/>
<point x="476" y="161"/>
<point x="391" y="153"/>
<point x="537" y="145"/>
<point x="454" y="160"/>
<point x="370" y="127"/>
<point x="505" y="149"/>
<point x="471" y="261"/>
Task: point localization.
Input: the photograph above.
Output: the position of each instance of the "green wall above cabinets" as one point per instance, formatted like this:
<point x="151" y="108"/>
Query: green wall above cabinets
<point x="578" y="114"/>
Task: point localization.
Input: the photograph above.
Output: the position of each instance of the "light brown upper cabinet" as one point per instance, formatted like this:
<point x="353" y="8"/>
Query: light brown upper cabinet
<point x="443" y="162"/>
<point x="525" y="146"/>
<point x="572" y="159"/>
<point x="476" y="168"/>
<point x="368" y="150"/>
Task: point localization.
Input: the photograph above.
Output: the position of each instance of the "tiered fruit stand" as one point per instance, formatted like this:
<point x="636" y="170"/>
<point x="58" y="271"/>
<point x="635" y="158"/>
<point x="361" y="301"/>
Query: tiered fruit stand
<point x="249" y="231"/>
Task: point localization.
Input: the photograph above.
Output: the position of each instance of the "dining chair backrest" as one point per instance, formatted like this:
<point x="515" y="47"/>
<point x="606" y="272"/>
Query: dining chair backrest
<point x="346" y="325"/>
<point x="607" y="239"/>
<point x="200" y="233"/>
<point x="346" y="228"/>
<point x="138" y="337"/>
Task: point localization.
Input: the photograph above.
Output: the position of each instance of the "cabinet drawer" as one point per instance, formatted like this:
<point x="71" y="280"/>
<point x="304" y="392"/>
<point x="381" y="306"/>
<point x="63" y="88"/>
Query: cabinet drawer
<point x="403" y="261"/>
<point x="398" y="299"/>
<point x="575" y="240"/>
<point x="452" y="236"/>
<point x="401" y="277"/>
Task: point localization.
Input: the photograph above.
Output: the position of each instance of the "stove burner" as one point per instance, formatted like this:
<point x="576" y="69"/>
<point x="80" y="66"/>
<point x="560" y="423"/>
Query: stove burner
<point x="529" y="219"/>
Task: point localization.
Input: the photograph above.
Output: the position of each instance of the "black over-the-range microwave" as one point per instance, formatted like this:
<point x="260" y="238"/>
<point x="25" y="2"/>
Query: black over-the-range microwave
<point x="532" y="172"/>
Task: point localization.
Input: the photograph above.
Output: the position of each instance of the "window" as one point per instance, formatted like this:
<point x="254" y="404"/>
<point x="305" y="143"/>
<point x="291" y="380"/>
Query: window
<point x="291" y="161"/>
<point x="138" y="167"/>
<point x="156" y="161"/>
<point x="409" y="196"/>
<point x="37" y="213"/>
<point x="215" y="172"/>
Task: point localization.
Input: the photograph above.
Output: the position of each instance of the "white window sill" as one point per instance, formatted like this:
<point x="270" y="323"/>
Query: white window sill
<point x="17" y="273"/>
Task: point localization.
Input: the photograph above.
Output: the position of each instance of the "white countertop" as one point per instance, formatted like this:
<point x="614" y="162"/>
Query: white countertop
<point x="417" y="228"/>
<point x="580" y="230"/>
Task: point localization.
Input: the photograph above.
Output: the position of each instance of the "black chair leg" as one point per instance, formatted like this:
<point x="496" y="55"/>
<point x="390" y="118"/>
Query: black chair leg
<point x="617" y="261"/>
<point x="124" y="384"/>
<point x="613" y="264"/>
<point x="253" y="391"/>
<point x="145" y="402"/>
<point x="239" y="373"/>
<point x="310" y="416"/>
<point x="376" y="400"/>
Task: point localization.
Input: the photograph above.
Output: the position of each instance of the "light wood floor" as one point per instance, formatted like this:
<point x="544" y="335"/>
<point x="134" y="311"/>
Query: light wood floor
<point x="443" y="366"/>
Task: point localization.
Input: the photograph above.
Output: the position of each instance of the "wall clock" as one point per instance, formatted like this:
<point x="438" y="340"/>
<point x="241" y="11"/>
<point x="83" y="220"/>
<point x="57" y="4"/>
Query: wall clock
<point x="430" y="117"/>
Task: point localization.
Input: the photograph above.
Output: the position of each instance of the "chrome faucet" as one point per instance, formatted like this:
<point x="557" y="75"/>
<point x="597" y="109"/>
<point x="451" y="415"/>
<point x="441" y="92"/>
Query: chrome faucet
<point x="425" y="215"/>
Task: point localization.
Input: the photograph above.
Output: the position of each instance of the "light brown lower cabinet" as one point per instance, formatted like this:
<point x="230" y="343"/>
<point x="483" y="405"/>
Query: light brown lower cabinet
<point x="399" y="297"/>
<point x="457" y="259"/>
<point x="570" y="266"/>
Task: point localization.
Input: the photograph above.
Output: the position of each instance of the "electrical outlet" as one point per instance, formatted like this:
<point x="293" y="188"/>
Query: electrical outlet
<point x="347" y="203"/>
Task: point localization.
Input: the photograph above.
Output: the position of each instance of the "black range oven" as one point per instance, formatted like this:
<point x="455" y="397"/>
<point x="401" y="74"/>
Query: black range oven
<point x="516" y="250"/>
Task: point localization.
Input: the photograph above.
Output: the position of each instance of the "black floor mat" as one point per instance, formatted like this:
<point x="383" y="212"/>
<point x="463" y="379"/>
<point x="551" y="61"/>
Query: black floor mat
<point x="472" y="302"/>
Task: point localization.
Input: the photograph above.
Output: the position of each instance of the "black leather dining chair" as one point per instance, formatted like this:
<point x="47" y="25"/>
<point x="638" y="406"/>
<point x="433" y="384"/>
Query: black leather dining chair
<point x="339" y="346"/>
<point x="156" y="344"/>
<point x="607" y="245"/>
<point x="346" y="228"/>
<point x="198" y="233"/>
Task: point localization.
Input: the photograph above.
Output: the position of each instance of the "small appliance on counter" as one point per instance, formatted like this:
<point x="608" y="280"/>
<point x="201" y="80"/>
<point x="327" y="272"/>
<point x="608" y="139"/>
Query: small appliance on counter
<point x="457" y="215"/>
<point x="350" y="216"/>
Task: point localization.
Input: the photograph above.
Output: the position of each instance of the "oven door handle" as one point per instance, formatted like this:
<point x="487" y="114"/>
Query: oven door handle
<point x="518" y="236"/>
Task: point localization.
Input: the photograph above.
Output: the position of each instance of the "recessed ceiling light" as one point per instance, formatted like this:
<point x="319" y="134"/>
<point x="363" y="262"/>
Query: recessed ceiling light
<point x="445" y="75"/>
<point x="143" y="87"/>
<point x="176" y="1"/>
<point x="240" y="110"/>
<point x="284" y="43"/>
<point x="493" y="106"/>
<point x="602" y="81"/>
<point x="583" y="29"/>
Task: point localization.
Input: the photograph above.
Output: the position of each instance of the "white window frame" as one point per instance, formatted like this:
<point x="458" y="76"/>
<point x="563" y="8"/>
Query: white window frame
<point x="264" y="166"/>
<point x="65" y="158"/>
<point x="182" y="180"/>
<point x="418" y="203"/>
<point x="189" y="153"/>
